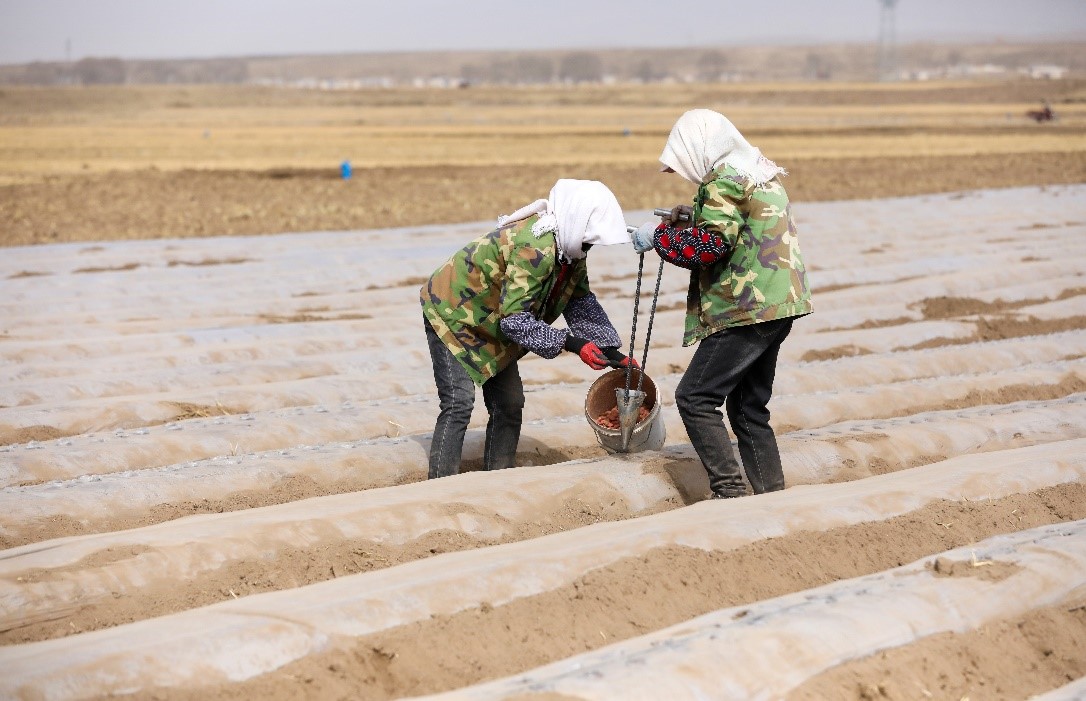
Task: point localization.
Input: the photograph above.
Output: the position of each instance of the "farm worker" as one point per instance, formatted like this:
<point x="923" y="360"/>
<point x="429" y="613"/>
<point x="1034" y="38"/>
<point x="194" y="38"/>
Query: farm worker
<point x="747" y="284"/>
<point x="494" y="300"/>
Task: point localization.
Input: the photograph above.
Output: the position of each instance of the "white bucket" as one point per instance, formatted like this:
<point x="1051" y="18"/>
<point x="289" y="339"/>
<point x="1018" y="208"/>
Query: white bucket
<point x="647" y="435"/>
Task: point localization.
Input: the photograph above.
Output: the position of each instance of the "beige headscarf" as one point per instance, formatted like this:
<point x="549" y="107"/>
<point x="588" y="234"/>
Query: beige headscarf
<point x="703" y="140"/>
<point x="578" y="212"/>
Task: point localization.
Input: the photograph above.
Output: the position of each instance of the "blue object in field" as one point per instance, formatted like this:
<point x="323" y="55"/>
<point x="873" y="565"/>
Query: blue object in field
<point x="345" y="170"/>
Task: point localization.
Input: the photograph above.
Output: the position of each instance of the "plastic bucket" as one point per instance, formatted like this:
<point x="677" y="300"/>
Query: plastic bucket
<point x="647" y="435"/>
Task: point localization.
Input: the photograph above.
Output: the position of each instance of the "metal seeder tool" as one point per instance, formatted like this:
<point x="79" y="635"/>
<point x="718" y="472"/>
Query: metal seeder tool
<point x="629" y="401"/>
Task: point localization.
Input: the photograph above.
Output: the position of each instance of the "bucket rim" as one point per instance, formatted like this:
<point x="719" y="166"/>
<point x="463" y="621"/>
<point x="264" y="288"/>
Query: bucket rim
<point x="650" y="389"/>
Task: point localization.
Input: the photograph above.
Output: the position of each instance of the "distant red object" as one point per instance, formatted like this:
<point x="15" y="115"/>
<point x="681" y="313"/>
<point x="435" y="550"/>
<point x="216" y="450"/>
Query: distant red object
<point x="1042" y="115"/>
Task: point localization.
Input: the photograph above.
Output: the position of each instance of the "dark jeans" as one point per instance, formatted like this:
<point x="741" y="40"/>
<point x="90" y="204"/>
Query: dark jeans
<point x="734" y="367"/>
<point x="503" y="395"/>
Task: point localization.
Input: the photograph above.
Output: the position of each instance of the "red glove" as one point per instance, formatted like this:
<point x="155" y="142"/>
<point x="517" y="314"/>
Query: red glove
<point x="617" y="360"/>
<point x="592" y="356"/>
<point x="590" y="353"/>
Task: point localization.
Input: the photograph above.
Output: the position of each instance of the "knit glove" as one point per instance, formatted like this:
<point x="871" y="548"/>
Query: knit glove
<point x="617" y="360"/>
<point x="591" y="354"/>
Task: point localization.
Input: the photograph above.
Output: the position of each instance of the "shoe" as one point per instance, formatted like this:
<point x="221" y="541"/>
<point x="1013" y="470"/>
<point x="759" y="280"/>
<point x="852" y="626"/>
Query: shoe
<point x="726" y="495"/>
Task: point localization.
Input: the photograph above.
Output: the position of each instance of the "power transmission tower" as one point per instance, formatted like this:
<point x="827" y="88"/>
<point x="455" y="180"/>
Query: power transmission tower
<point x="887" y="51"/>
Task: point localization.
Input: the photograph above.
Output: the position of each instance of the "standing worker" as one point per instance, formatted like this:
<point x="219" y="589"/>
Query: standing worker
<point x="747" y="284"/>
<point x="494" y="300"/>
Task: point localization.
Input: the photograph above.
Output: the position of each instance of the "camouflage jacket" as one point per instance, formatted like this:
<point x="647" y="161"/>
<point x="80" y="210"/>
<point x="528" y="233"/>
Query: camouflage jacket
<point x="505" y="272"/>
<point x="763" y="277"/>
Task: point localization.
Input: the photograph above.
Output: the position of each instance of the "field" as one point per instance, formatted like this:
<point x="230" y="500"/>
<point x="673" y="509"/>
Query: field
<point x="133" y="163"/>
<point x="213" y="442"/>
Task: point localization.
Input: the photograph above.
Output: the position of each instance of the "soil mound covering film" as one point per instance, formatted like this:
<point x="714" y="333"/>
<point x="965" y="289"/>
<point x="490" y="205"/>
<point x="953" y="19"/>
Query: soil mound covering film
<point x="213" y="457"/>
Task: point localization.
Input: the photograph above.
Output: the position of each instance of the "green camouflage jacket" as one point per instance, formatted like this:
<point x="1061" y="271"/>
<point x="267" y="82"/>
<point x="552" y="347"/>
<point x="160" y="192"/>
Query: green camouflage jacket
<point x="505" y="272"/>
<point x="763" y="278"/>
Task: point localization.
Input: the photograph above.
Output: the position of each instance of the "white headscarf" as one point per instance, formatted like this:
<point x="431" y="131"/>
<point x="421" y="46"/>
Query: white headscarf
<point x="578" y="212"/>
<point x="703" y="140"/>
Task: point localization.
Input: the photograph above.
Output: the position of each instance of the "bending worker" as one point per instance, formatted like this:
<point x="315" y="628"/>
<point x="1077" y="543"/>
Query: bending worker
<point x="494" y="300"/>
<point x="747" y="284"/>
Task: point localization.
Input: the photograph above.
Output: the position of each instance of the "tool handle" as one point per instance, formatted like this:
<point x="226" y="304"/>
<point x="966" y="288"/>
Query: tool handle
<point x="661" y="212"/>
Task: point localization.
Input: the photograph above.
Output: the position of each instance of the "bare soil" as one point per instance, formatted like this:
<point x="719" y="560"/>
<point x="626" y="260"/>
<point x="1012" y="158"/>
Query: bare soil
<point x="662" y="588"/>
<point x="147" y="204"/>
<point x="1021" y="657"/>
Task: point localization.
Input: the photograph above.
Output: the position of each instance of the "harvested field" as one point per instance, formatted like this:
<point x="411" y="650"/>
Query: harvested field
<point x="160" y="162"/>
<point x="213" y="448"/>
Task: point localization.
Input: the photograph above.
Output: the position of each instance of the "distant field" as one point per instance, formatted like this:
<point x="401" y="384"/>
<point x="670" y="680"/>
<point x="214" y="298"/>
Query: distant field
<point x="133" y="161"/>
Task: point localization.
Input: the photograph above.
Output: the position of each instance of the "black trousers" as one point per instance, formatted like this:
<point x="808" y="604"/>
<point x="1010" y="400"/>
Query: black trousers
<point x="734" y="368"/>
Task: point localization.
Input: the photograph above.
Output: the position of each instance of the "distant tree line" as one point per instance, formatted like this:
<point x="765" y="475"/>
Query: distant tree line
<point x="502" y="69"/>
<point x="576" y="67"/>
<point x="116" y="71"/>
<point x="705" y="64"/>
<point x="582" y="67"/>
<point x="217" y="70"/>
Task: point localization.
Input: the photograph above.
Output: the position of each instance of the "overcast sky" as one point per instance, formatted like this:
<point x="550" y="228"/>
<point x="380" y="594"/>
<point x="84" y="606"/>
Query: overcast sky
<point x="39" y="30"/>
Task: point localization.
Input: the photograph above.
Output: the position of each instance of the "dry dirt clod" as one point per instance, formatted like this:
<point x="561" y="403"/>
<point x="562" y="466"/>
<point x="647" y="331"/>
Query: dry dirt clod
<point x="609" y="419"/>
